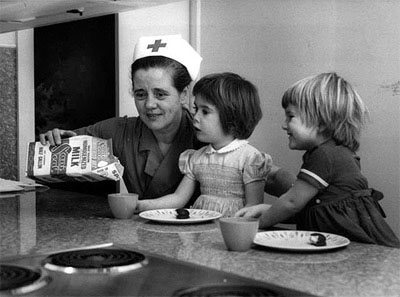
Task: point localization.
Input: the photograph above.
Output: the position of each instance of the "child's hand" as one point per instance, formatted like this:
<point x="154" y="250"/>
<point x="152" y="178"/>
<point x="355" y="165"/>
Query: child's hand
<point x="254" y="211"/>
<point x="139" y="207"/>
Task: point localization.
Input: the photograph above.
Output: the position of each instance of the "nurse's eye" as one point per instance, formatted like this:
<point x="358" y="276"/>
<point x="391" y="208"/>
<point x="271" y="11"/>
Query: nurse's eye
<point x="160" y="95"/>
<point x="140" y="95"/>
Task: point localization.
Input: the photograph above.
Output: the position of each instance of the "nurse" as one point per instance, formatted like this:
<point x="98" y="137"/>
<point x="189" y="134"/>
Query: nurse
<point x="148" y="146"/>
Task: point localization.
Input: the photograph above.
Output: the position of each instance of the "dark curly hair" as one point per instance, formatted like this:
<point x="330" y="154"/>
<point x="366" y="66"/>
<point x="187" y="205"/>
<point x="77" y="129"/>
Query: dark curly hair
<point x="236" y="99"/>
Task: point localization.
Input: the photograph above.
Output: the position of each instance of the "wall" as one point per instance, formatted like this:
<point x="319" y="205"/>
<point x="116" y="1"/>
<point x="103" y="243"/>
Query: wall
<point x="161" y="20"/>
<point x="26" y="96"/>
<point x="8" y="39"/>
<point x="8" y="107"/>
<point x="22" y="122"/>
<point x="275" y="43"/>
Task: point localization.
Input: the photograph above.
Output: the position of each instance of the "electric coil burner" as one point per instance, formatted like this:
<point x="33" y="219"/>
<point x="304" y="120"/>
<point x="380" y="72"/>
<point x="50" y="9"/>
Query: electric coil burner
<point x="123" y="271"/>
<point x="95" y="261"/>
<point x="20" y="280"/>
<point x="228" y="291"/>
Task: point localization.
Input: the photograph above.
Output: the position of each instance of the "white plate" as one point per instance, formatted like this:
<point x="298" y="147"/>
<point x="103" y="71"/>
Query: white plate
<point x="169" y="216"/>
<point x="295" y="240"/>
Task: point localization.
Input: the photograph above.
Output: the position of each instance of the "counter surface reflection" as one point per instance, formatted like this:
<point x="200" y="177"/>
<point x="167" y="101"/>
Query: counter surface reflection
<point x="54" y="220"/>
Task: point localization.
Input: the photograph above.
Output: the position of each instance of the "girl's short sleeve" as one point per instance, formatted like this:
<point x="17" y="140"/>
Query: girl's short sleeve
<point x="185" y="163"/>
<point x="316" y="168"/>
<point x="257" y="167"/>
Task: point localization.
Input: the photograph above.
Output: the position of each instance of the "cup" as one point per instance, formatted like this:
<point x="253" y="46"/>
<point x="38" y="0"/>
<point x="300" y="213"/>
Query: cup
<point x="238" y="232"/>
<point x="123" y="205"/>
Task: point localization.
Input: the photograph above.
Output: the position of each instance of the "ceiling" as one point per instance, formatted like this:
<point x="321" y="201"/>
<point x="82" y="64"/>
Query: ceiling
<point x="23" y="14"/>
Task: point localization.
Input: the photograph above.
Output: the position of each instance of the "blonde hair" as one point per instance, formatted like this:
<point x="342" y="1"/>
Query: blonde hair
<point x="329" y="102"/>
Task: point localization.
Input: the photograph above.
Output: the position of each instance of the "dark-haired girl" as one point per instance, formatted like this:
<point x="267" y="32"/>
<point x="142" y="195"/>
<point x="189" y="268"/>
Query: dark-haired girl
<point x="230" y="171"/>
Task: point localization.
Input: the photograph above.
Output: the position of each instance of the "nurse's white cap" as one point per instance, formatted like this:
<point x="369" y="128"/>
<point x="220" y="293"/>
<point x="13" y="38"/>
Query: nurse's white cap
<point x="171" y="46"/>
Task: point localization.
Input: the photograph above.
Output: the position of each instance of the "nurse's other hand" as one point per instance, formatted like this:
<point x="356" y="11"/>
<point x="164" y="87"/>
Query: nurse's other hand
<point x="54" y="136"/>
<point x="254" y="211"/>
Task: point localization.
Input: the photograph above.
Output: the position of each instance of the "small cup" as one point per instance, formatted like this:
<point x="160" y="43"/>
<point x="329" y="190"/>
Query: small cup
<point x="238" y="232"/>
<point x="123" y="205"/>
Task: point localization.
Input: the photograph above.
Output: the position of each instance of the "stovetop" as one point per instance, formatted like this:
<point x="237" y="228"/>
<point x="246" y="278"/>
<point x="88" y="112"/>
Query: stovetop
<point x="122" y="271"/>
<point x="97" y="260"/>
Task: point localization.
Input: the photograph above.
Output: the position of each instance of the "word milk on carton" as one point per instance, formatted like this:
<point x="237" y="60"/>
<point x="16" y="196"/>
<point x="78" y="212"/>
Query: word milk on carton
<point x="79" y="158"/>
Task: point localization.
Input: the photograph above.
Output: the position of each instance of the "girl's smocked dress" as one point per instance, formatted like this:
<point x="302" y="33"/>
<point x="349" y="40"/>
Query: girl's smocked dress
<point x="344" y="204"/>
<point x="223" y="173"/>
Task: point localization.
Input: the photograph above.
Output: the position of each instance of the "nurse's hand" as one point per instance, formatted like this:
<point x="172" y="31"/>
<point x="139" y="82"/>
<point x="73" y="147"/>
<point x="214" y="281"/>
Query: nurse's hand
<point x="254" y="211"/>
<point x="54" y="136"/>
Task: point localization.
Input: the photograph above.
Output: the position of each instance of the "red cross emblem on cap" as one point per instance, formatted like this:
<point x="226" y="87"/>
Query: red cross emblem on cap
<point x="157" y="44"/>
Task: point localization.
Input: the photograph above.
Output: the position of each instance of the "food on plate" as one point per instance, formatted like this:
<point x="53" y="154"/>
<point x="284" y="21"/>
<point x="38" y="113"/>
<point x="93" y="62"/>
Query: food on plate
<point x="317" y="239"/>
<point x="182" y="213"/>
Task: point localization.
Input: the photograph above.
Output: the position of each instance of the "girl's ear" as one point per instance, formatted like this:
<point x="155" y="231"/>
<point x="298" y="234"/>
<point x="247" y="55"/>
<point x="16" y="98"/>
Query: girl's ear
<point x="323" y="130"/>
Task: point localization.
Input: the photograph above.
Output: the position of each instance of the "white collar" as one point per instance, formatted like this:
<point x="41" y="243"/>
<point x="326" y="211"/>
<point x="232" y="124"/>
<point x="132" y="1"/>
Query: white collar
<point x="235" y="144"/>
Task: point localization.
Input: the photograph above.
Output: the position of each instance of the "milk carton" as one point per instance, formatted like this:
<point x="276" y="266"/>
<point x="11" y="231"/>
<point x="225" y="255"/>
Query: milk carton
<point x="79" y="158"/>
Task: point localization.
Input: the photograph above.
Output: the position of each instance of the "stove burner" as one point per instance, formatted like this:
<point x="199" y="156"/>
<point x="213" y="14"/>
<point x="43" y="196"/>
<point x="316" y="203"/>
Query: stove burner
<point x="227" y="291"/>
<point x="95" y="261"/>
<point x="21" y="280"/>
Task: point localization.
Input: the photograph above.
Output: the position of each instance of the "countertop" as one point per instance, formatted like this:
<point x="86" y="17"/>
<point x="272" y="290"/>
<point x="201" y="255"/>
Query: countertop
<point x="44" y="222"/>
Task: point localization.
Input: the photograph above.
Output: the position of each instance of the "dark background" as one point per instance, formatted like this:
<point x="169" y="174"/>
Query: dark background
<point x="75" y="82"/>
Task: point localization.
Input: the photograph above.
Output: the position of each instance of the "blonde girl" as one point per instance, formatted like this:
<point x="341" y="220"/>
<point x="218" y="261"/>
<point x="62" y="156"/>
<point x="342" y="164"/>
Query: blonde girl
<point x="324" y="116"/>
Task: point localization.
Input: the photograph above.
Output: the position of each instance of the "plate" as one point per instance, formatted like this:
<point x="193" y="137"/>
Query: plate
<point x="169" y="216"/>
<point x="296" y="240"/>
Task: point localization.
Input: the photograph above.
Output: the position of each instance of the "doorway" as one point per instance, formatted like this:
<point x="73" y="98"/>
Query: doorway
<point x="75" y="80"/>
